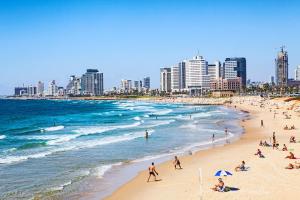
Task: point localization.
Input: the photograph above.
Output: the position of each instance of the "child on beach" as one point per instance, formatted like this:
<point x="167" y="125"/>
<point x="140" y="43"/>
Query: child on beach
<point x="259" y="153"/>
<point x="177" y="163"/>
<point x="241" y="167"/>
<point x="284" y="148"/>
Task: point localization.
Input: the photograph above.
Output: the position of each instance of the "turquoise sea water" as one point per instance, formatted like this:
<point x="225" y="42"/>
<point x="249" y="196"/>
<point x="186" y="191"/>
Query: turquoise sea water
<point x="58" y="148"/>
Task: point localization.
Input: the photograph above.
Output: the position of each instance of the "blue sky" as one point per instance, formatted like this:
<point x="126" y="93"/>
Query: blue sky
<point x="45" y="40"/>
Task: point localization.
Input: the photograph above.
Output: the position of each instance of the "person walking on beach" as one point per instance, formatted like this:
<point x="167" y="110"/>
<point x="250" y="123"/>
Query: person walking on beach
<point x="177" y="163"/>
<point x="274" y="140"/>
<point x="152" y="172"/>
<point x="261" y="123"/>
<point x="213" y="138"/>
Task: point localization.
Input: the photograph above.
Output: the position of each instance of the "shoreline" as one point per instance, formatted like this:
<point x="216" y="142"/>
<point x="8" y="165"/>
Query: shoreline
<point x="185" y="182"/>
<point x="134" y="167"/>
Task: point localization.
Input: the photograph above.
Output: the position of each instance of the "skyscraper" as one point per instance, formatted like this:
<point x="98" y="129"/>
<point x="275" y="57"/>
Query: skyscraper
<point x="197" y="78"/>
<point x="74" y="86"/>
<point x="235" y="67"/>
<point x="297" y="73"/>
<point x="52" y="89"/>
<point x="178" y="77"/>
<point x="281" y="68"/>
<point x="126" y="85"/>
<point x="146" y="82"/>
<point x="92" y="83"/>
<point x="40" y="88"/>
<point x="165" y="79"/>
<point x="214" y="70"/>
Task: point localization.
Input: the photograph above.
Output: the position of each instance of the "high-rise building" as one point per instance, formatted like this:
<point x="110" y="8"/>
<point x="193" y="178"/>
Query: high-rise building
<point x="136" y="85"/>
<point x="52" y="89"/>
<point x="178" y="77"/>
<point x="40" y="88"/>
<point x="32" y="90"/>
<point x="146" y="82"/>
<point x="196" y="72"/>
<point x="126" y="85"/>
<point x="235" y="67"/>
<point x="272" y="80"/>
<point x="281" y="68"/>
<point x="165" y="79"/>
<point x="214" y="70"/>
<point x="297" y="73"/>
<point x="74" y="86"/>
<point x="20" y="91"/>
<point x="92" y="83"/>
<point x="175" y="78"/>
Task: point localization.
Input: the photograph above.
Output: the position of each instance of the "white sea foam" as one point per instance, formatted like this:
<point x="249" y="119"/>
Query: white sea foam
<point x="61" y="187"/>
<point x="53" y="128"/>
<point x="2" y="137"/>
<point x="76" y="146"/>
<point x="161" y="123"/>
<point x="162" y="112"/>
<point x="101" y="170"/>
<point x="137" y="118"/>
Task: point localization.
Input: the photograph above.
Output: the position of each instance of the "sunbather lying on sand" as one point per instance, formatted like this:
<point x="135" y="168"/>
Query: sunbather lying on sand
<point x="293" y="166"/>
<point x="241" y="167"/>
<point x="220" y="186"/>
<point x="291" y="156"/>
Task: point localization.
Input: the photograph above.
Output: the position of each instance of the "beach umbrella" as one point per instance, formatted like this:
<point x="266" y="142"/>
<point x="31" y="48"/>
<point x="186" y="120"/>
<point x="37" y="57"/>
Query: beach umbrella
<point x="223" y="173"/>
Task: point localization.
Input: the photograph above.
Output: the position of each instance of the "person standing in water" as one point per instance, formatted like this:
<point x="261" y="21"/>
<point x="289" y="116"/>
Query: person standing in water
<point x="213" y="138"/>
<point x="152" y="172"/>
<point x="146" y="134"/>
<point x="226" y="135"/>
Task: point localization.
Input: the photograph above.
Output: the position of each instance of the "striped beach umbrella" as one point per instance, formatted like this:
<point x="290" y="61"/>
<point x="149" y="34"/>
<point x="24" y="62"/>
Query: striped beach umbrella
<point x="223" y="173"/>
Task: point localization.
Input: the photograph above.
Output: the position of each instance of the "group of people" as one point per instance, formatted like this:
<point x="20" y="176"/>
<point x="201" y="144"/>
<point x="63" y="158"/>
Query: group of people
<point x="154" y="173"/>
<point x="287" y="128"/>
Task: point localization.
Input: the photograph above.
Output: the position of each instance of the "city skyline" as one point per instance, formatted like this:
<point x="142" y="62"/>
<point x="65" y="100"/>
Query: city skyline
<point x="55" y="39"/>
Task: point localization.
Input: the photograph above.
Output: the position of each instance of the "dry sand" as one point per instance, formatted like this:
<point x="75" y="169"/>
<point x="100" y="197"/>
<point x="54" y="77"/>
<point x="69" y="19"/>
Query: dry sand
<point x="267" y="177"/>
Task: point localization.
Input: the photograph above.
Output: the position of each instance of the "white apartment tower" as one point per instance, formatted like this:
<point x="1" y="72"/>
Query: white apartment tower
<point x="297" y="73"/>
<point x="40" y="88"/>
<point x="196" y="72"/>
<point x="165" y="79"/>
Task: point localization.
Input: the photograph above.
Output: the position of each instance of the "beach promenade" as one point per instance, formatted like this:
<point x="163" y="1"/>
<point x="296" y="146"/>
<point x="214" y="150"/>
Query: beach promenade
<point x="266" y="177"/>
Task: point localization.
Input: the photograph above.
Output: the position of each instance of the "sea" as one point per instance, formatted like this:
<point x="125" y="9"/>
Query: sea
<point x="86" y="149"/>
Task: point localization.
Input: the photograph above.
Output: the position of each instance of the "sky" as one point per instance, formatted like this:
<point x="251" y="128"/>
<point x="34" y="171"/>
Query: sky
<point x="51" y="40"/>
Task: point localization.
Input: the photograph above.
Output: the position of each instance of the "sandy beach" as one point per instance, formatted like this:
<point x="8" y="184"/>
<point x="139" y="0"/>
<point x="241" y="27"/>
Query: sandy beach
<point x="266" y="177"/>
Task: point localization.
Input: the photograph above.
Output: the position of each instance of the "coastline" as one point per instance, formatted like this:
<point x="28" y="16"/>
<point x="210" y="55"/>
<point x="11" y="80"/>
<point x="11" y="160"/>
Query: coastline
<point x="184" y="184"/>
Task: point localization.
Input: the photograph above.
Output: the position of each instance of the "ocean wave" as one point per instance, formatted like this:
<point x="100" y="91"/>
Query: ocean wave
<point x="100" y="171"/>
<point x="161" y="123"/>
<point x="162" y="112"/>
<point x="101" y="129"/>
<point x="76" y="146"/>
<point x="61" y="187"/>
<point x="13" y="159"/>
<point x="2" y="137"/>
<point x="53" y="128"/>
<point x="31" y="145"/>
<point x="137" y="118"/>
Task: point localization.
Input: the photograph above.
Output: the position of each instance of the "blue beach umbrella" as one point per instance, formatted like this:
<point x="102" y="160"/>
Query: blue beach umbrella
<point x="223" y="173"/>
